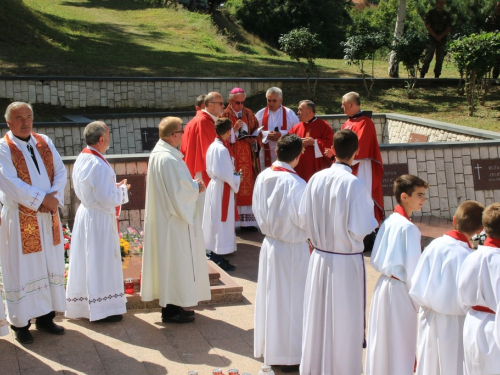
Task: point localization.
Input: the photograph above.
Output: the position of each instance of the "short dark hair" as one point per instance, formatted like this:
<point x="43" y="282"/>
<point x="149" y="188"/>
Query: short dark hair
<point x="345" y="144"/>
<point x="407" y="184"/>
<point x="468" y="217"/>
<point x="289" y="147"/>
<point x="491" y="220"/>
<point x="199" y="101"/>
<point x="223" y="125"/>
<point x="310" y="104"/>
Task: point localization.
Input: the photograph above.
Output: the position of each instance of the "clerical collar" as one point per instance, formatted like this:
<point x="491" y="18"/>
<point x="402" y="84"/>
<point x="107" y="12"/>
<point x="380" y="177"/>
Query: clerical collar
<point x="341" y="162"/>
<point x="311" y="120"/>
<point x="212" y="116"/>
<point x="237" y="113"/>
<point x="22" y="139"/>
<point x="458" y="236"/>
<point x="361" y="114"/>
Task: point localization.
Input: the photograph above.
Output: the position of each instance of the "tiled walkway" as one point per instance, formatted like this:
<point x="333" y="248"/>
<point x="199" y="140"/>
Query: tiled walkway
<point x="221" y="336"/>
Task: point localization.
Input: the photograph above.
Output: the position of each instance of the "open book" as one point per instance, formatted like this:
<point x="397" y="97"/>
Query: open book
<point x="253" y="135"/>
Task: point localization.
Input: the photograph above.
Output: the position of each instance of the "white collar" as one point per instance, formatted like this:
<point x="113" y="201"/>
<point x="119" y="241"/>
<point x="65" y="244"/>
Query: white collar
<point x="213" y="117"/>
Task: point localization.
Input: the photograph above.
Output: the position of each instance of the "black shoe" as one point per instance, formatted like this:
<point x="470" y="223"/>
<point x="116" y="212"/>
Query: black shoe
<point x="50" y="327"/>
<point x="179" y="318"/>
<point x="250" y="229"/>
<point x="23" y="336"/>
<point x="110" y="319"/>
<point x="437" y="75"/>
<point x="422" y="75"/>
<point x="290" y="368"/>
<point x="225" y="265"/>
<point x="186" y="312"/>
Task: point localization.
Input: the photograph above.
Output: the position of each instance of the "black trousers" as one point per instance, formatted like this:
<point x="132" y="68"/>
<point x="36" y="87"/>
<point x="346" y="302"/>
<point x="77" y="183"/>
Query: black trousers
<point x="44" y="319"/>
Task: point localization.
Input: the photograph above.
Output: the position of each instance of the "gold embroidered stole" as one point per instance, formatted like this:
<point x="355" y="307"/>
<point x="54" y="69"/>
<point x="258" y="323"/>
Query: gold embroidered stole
<point x="28" y="221"/>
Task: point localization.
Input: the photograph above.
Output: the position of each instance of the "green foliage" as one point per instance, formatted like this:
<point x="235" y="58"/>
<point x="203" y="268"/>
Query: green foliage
<point x="302" y="44"/>
<point x="359" y="48"/>
<point x="474" y="57"/>
<point x="269" y="19"/>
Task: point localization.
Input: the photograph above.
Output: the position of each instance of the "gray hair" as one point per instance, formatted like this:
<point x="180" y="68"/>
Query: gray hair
<point x="231" y="96"/>
<point x="93" y="132"/>
<point x="352" y="97"/>
<point x="15" y="105"/>
<point x="310" y="104"/>
<point x="199" y="100"/>
<point x="274" y="90"/>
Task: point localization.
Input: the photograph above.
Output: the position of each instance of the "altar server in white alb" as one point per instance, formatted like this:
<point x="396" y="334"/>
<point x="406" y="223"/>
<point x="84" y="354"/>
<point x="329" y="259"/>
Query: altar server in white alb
<point x="479" y="285"/>
<point x="174" y="264"/>
<point x="95" y="281"/>
<point x="392" y="330"/>
<point x="276" y="120"/>
<point x="283" y="260"/>
<point x="32" y="181"/>
<point x="220" y="211"/>
<point x="435" y="288"/>
<point x="337" y="213"/>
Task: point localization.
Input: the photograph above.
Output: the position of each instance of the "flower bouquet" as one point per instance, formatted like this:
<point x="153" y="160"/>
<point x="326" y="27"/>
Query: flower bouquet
<point x="478" y="239"/>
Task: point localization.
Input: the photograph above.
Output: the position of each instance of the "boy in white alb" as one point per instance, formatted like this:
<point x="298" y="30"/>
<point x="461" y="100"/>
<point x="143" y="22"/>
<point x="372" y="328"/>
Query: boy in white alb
<point x="283" y="260"/>
<point x="219" y="213"/>
<point x="392" y="330"/>
<point x="479" y="286"/>
<point x="435" y="289"/>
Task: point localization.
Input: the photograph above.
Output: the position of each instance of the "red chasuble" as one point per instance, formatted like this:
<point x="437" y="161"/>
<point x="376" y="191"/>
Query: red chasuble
<point x="364" y="128"/>
<point x="199" y="134"/>
<point x="323" y="133"/>
<point x="245" y="159"/>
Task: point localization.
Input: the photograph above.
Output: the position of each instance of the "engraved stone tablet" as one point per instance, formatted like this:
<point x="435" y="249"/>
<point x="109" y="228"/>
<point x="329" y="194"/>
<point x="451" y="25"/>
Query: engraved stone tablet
<point x="149" y="138"/>
<point x="391" y="172"/>
<point x="137" y="192"/>
<point x="417" y="138"/>
<point x="486" y="174"/>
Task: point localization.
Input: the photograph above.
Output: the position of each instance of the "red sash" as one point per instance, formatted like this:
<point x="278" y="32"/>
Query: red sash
<point x="483" y="309"/>
<point x="28" y="221"/>
<point x="458" y="236"/>
<point x="492" y="242"/>
<point x="265" y="120"/>
<point x="281" y="169"/>
<point x="226" y="192"/>
<point x="400" y="210"/>
<point x="118" y="209"/>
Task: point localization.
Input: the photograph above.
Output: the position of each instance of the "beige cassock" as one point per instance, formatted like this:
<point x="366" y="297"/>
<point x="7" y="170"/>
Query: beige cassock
<point x="174" y="265"/>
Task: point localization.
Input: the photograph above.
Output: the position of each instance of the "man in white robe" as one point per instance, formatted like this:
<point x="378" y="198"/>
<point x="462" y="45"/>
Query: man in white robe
<point x="435" y="289"/>
<point x="283" y="259"/>
<point x="32" y="180"/>
<point x="95" y="281"/>
<point x="337" y="213"/>
<point x="276" y="120"/>
<point x="219" y="214"/>
<point x="479" y="286"/>
<point x="174" y="264"/>
<point x="392" y="329"/>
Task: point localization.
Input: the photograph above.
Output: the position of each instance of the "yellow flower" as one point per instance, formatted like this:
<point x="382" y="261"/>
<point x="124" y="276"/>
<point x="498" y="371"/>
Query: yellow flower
<point x="125" y="245"/>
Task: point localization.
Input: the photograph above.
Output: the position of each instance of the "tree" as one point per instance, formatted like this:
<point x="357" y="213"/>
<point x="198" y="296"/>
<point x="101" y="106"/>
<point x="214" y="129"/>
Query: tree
<point x="474" y="57"/>
<point x="302" y="44"/>
<point x="359" y="48"/>
<point x="393" y="70"/>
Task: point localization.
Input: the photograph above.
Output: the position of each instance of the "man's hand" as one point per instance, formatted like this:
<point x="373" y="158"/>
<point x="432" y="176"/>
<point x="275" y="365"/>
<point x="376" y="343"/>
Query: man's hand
<point x="329" y="152"/>
<point x="249" y="140"/>
<point x="50" y="202"/>
<point x="274" y="136"/>
<point x="123" y="182"/>
<point x="307" y="142"/>
<point x="201" y="185"/>
<point x="237" y="125"/>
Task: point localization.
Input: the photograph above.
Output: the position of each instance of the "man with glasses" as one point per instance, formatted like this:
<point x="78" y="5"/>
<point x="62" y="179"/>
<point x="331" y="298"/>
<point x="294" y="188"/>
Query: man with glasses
<point x="245" y="152"/>
<point x="174" y="266"/>
<point x="276" y="120"/>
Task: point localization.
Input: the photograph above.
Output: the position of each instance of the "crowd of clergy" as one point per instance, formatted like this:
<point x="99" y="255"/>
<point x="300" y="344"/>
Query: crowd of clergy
<point x="317" y="198"/>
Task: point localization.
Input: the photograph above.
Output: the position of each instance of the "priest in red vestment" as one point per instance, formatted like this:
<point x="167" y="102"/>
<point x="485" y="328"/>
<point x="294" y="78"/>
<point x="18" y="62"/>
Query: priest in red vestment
<point x="369" y="168"/>
<point x="245" y="153"/>
<point x="317" y="135"/>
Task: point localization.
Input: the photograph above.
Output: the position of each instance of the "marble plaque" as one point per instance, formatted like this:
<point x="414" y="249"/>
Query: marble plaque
<point x="486" y="174"/>
<point x="391" y="172"/>
<point x="149" y="138"/>
<point x="137" y="192"/>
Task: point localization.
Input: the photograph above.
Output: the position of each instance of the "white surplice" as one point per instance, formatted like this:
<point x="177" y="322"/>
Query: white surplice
<point x="441" y="314"/>
<point x="337" y="213"/>
<point x="392" y="329"/>
<point x="33" y="283"/>
<point x="275" y="119"/>
<point x="283" y="263"/>
<point x="174" y="264"/>
<point x="479" y="285"/>
<point x="95" y="281"/>
<point x="219" y="236"/>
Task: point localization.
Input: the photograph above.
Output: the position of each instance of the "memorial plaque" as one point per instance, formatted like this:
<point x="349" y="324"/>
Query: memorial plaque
<point x="149" y="138"/>
<point x="137" y="192"/>
<point x="486" y="174"/>
<point x="391" y="172"/>
<point x="417" y="138"/>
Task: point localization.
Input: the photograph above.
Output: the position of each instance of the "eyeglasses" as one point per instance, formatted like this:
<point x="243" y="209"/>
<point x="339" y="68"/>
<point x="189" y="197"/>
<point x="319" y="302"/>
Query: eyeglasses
<point x="238" y="103"/>
<point x="220" y="103"/>
<point x="180" y="131"/>
<point x="272" y="100"/>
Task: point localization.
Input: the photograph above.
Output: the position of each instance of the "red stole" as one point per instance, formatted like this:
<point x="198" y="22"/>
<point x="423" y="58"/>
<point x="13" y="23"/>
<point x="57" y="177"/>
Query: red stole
<point x="458" y="236"/>
<point x="226" y="192"/>
<point x="281" y="169"/>
<point x="265" y="120"/>
<point x="118" y="208"/>
<point x="400" y="210"/>
<point x="492" y="242"/>
<point x="28" y="221"/>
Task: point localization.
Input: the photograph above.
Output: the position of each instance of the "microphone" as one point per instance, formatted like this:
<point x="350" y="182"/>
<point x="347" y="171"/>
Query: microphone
<point x="240" y="115"/>
<point x="276" y="129"/>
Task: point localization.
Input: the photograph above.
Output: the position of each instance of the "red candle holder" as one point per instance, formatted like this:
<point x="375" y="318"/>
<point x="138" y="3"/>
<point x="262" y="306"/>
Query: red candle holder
<point x="129" y="286"/>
